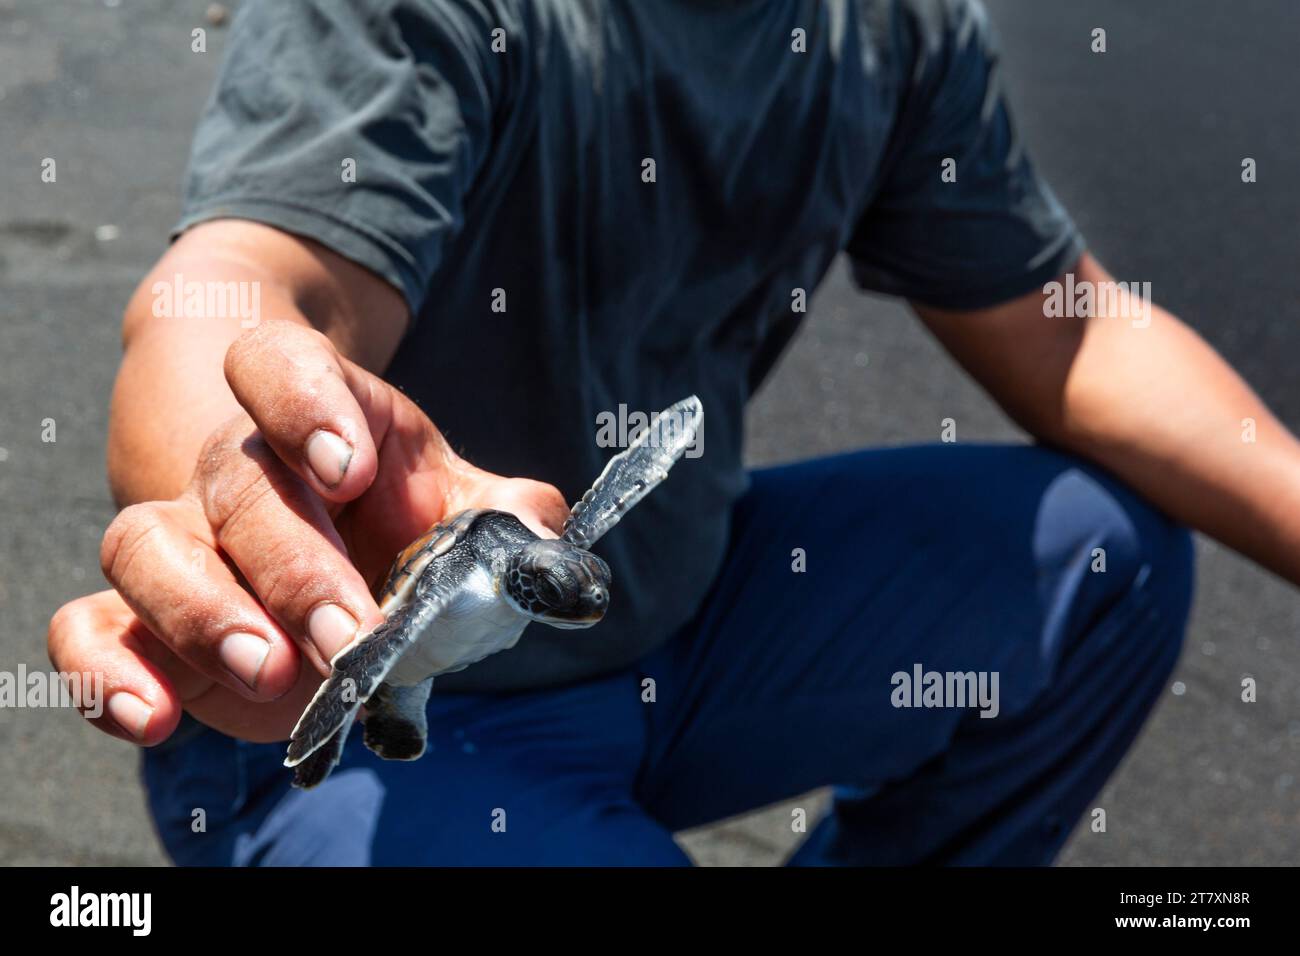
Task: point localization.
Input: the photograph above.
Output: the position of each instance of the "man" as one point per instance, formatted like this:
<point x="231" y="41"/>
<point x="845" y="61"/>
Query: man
<point x="474" y="227"/>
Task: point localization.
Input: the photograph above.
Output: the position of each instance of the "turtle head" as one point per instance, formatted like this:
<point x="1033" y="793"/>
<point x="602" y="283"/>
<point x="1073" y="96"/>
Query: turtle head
<point x="552" y="581"/>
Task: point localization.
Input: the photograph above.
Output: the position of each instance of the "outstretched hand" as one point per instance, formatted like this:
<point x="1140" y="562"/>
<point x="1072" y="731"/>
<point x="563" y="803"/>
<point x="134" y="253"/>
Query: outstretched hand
<point x="296" y="509"/>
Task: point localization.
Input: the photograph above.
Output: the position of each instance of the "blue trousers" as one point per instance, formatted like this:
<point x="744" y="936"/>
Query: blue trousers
<point x="1018" y="564"/>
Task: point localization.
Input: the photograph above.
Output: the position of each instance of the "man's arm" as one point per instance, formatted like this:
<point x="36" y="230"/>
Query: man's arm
<point x="1155" y="405"/>
<point x="249" y="538"/>
<point x="171" y="392"/>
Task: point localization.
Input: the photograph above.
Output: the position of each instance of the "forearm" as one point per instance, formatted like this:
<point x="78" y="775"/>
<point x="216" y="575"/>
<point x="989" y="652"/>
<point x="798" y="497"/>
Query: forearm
<point x="171" y="391"/>
<point x="1149" y="400"/>
<point x="1162" y="410"/>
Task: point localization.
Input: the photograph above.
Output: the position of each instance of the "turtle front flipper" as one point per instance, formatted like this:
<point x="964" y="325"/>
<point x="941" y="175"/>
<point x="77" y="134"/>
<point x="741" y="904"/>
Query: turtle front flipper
<point x="317" y="765"/>
<point x="396" y="725"/>
<point x="632" y="474"/>
<point x="356" y="673"/>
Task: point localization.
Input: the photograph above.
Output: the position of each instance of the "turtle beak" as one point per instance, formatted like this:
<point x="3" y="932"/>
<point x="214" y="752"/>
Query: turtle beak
<point x="594" y="605"/>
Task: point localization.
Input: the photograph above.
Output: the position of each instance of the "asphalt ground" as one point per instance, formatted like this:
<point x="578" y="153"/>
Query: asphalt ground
<point x="1144" y="145"/>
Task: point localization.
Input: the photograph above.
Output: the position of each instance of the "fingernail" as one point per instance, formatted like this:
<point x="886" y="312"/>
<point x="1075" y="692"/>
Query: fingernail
<point x="244" y="655"/>
<point x="130" y="713"/>
<point x="329" y="457"/>
<point x="330" y="629"/>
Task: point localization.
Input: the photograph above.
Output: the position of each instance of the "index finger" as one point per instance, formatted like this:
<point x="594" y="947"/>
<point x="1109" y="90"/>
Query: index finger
<point x="311" y="405"/>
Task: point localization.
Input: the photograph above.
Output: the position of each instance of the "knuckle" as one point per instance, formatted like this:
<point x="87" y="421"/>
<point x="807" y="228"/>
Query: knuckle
<point x="125" y="537"/>
<point x="272" y="344"/>
<point x="208" y="465"/>
<point x="290" y="585"/>
<point x="315" y="338"/>
<point x="551" y="496"/>
<point x="251" y="346"/>
<point x="302" y="364"/>
<point x="313" y="371"/>
<point x="237" y="355"/>
<point x="231" y="494"/>
<point x="219" y="448"/>
<point x="546" y="498"/>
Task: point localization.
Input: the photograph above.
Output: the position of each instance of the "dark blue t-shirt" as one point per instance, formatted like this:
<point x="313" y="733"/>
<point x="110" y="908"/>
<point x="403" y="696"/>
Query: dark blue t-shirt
<point x="601" y="204"/>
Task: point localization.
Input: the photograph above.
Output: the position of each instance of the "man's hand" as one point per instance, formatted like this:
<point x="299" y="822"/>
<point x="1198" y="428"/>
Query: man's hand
<point x="295" y="509"/>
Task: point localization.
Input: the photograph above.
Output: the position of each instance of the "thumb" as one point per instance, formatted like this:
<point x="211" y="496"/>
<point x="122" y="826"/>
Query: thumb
<point x="540" y="506"/>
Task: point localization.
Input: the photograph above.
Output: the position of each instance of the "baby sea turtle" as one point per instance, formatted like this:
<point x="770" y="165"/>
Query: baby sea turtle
<point x="466" y="589"/>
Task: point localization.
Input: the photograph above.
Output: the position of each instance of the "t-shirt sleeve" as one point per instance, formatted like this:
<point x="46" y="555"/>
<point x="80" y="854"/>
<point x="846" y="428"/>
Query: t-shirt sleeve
<point x="980" y="230"/>
<point x="360" y="125"/>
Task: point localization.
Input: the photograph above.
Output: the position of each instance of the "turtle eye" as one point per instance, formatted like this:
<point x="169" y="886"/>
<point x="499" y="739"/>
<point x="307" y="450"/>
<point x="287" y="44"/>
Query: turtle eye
<point x="548" y="591"/>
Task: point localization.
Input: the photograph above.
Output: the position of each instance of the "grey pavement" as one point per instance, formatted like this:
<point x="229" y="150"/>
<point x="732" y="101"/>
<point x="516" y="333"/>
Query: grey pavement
<point x="1144" y="145"/>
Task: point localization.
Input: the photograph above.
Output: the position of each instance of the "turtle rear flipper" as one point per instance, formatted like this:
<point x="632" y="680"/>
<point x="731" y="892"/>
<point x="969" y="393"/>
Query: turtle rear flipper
<point x="396" y="726"/>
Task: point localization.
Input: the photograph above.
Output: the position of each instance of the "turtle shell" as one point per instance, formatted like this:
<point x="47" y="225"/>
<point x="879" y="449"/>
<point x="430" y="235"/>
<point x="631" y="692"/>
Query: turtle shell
<point x="415" y="557"/>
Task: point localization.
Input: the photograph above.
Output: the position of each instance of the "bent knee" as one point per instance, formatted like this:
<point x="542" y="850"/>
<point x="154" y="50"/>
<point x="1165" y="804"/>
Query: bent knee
<point x="1107" y="541"/>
